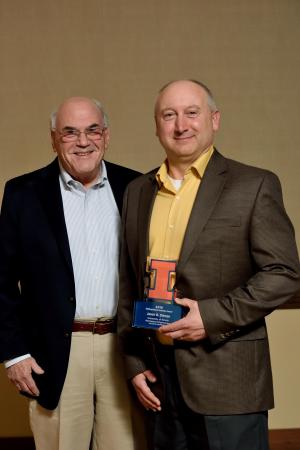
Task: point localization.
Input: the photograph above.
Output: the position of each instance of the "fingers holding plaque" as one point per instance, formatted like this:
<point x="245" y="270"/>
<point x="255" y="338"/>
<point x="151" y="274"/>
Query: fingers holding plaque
<point x="158" y="307"/>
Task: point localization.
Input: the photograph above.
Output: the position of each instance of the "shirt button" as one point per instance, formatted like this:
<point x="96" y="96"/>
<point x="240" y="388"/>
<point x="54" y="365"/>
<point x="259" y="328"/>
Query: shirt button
<point x="171" y="226"/>
<point x="177" y="197"/>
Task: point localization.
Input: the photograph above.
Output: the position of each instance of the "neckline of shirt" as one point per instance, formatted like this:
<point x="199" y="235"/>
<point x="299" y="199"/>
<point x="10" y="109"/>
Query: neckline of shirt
<point x="69" y="182"/>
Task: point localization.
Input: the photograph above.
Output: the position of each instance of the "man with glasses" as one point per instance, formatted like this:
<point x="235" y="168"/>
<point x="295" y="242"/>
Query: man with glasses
<point x="59" y="255"/>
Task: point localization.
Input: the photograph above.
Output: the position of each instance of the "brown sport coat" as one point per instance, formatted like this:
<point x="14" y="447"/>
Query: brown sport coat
<point x="239" y="262"/>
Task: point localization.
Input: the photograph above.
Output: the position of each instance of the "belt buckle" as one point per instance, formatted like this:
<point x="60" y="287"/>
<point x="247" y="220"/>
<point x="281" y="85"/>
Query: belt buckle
<point x="94" y="325"/>
<point x="98" y="320"/>
<point x="102" y="320"/>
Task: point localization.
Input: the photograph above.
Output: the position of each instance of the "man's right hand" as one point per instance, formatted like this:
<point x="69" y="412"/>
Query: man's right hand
<point x="20" y="374"/>
<point x="144" y="393"/>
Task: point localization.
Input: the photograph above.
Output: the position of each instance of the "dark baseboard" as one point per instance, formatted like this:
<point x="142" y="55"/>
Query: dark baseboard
<point x="287" y="439"/>
<point x="17" y="443"/>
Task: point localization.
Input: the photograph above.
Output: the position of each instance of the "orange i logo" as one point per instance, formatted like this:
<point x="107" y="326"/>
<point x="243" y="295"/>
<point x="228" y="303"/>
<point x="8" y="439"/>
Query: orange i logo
<point x="162" y="279"/>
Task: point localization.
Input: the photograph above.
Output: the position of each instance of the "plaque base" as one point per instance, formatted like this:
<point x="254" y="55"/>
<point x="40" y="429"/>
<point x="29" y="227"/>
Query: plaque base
<point x="153" y="313"/>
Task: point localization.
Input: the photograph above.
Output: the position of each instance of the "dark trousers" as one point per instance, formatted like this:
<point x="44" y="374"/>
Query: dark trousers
<point x="177" y="427"/>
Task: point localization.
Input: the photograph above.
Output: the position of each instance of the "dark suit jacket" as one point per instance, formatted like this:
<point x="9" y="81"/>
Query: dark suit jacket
<point x="35" y="253"/>
<point x="239" y="261"/>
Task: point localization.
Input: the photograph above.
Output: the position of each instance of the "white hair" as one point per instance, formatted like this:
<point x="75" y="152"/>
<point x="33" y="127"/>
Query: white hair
<point x="96" y="103"/>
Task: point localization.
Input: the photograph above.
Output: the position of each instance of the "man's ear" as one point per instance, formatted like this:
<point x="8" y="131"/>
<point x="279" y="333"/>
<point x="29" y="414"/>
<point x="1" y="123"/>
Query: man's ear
<point x="216" y="117"/>
<point x="156" y="126"/>
<point x="106" y="135"/>
<point x="52" y="132"/>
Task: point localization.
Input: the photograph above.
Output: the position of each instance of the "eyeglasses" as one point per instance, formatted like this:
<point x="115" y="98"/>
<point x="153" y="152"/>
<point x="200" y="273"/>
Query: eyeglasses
<point x="73" y="134"/>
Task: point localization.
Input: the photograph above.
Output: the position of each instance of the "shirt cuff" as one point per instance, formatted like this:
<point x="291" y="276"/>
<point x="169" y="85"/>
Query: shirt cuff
<point x="11" y="362"/>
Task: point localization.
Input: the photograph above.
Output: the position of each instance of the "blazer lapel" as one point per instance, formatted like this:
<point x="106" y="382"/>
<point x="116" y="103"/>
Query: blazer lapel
<point x="208" y="194"/>
<point x="146" y="200"/>
<point x="51" y="200"/>
<point x="116" y="182"/>
<point x="118" y="178"/>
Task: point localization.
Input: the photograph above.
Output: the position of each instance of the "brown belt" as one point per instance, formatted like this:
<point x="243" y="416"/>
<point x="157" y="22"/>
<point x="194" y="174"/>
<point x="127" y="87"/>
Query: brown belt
<point x="99" y="326"/>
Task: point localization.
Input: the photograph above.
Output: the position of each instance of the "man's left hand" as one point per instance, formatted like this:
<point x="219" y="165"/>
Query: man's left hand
<point x="190" y="327"/>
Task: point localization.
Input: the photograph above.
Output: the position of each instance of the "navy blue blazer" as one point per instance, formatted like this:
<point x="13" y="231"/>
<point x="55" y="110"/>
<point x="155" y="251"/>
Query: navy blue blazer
<point x="37" y="290"/>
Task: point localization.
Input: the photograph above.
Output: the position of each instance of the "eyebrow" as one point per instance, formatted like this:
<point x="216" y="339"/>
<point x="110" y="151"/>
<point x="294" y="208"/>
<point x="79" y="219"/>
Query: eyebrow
<point x="172" y="108"/>
<point x="94" y="125"/>
<point x="193" y="106"/>
<point x="69" y="128"/>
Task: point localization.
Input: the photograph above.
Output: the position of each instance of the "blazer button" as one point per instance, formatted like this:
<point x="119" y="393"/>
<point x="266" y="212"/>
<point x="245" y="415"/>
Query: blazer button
<point x="72" y="299"/>
<point x="67" y="335"/>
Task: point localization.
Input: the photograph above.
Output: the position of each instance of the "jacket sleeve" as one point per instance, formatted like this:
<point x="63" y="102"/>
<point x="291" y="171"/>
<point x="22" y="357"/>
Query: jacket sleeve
<point x="273" y="250"/>
<point x="12" y="320"/>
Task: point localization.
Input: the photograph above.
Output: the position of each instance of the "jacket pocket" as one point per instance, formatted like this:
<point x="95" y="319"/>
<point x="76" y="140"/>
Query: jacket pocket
<point x="220" y="222"/>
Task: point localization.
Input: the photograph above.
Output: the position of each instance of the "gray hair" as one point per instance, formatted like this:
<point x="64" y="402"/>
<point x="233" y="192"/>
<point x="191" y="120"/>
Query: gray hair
<point x="210" y="98"/>
<point x="96" y="103"/>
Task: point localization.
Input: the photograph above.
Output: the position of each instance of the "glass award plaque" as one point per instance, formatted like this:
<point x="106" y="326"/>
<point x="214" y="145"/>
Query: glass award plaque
<point x="158" y="307"/>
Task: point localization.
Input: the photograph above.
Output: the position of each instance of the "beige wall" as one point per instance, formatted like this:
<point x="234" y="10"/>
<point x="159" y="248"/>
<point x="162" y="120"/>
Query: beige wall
<point x="284" y="337"/>
<point x="122" y="52"/>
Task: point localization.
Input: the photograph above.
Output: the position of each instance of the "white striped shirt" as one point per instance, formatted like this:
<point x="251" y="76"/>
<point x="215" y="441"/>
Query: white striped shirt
<point x="93" y="225"/>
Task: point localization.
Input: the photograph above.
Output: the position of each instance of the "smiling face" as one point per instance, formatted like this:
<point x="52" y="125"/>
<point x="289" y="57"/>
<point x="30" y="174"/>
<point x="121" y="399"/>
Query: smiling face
<point x="81" y="158"/>
<point x="185" y="123"/>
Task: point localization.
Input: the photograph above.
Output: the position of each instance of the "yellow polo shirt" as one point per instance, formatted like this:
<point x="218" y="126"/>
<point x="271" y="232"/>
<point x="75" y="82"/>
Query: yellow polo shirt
<point x="170" y="215"/>
<point x="172" y="209"/>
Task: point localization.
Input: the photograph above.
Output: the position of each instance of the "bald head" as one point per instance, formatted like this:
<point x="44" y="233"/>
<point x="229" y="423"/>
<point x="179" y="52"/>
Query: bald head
<point x="72" y="103"/>
<point x="201" y="86"/>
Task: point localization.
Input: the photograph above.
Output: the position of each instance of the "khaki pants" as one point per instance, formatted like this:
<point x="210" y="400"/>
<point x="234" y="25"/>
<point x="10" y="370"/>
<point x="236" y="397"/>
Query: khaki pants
<point x="94" y="405"/>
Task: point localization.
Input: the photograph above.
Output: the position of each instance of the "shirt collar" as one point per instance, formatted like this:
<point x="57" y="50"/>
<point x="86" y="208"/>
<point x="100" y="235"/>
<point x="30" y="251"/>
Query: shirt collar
<point x="68" y="181"/>
<point x="198" y="167"/>
<point x="200" y="164"/>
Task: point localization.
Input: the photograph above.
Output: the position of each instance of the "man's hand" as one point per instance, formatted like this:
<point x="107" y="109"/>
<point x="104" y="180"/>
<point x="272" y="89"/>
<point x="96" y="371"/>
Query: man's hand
<point x="20" y="375"/>
<point x="190" y="327"/>
<point x="144" y="393"/>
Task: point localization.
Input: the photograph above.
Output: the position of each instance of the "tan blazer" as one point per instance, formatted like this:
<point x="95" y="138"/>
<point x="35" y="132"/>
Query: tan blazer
<point x="239" y="262"/>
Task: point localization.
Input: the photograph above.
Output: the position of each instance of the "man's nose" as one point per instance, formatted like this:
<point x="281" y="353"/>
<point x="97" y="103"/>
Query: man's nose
<point x="83" y="140"/>
<point x="181" y="123"/>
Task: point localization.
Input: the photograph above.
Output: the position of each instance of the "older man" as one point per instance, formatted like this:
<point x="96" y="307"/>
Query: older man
<point x="225" y="225"/>
<point x="59" y="253"/>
